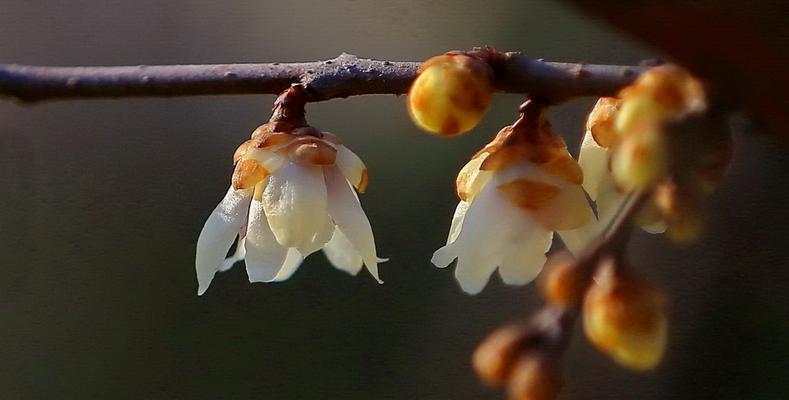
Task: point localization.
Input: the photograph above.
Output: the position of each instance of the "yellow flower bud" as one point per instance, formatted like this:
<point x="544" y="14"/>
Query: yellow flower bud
<point x="662" y="93"/>
<point x="681" y="210"/>
<point x="640" y="159"/>
<point x="535" y="378"/>
<point x="451" y="94"/>
<point x="625" y="318"/>
<point x="495" y="356"/>
<point x="561" y="283"/>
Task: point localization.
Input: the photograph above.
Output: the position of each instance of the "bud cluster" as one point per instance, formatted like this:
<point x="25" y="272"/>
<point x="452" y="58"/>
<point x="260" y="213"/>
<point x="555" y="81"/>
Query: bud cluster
<point x="642" y="140"/>
<point x="524" y="356"/>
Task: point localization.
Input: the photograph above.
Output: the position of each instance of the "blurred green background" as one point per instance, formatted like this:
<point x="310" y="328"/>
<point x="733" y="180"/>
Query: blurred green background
<point x="103" y="201"/>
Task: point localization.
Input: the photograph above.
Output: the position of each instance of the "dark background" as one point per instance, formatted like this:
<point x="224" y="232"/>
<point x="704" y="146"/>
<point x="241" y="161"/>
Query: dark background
<point x="102" y="202"/>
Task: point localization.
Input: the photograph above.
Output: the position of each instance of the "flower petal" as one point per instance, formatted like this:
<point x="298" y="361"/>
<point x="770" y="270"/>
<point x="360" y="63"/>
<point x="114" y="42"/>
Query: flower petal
<point x="237" y="256"/>
<point x="265" y="257"/>
<point x="593" y="159"/>
<point x="457" y="220"/>
<point x="474" y="274"/>
<point x="352" y="167"/>
<point x="270" y="160"/>
<point x="347" y="213"/>
<point x="490" y="223"/>
<point x="292" y="263"/>
<point x="319" y="239"/>
<point x="295" y="203"/>
<point x="342" y="255"/>
<point x="218" y="234"/>
<point x="525" y="257"/>
<point x="471" y="179"/>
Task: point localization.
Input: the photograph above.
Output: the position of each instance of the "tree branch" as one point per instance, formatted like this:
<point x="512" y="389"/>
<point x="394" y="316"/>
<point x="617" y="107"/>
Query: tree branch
<point x="346" y="75"/>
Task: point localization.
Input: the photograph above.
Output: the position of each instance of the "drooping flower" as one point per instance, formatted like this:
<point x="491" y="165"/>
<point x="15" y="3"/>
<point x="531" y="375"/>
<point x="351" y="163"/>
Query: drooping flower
<point x="514" y="194"/>
<point x="451" y="93"/>
<point x="291" y="195"/>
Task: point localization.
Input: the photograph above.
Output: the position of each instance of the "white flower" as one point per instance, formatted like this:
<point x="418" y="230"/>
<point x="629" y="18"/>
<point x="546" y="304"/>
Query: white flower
<point x="292" y="195"/>
<point x="599" y="182"/>
<point x="514" y="194"/>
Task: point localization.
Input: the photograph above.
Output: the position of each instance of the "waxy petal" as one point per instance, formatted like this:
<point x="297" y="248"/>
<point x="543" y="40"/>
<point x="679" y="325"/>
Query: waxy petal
<point x="457" y="220"/>
<point x="488" y="227"/>
<point x="342" y="254"/>
<point x="292" y="263"/>
<point x="218" y="234"/>
<point x="264" y="256"/>
<point x="352" y="168"/>
<point x="594" y="162"/>
<point x="295" y="203"/>
<point x="471" y="179"/>
<point x="525" y="257"/>
<point x="347" y="213"/>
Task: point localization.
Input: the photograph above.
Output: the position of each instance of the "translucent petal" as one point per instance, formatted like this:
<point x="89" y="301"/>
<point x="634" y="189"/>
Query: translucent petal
<point x="218" y="234"/>
<point x="457" y="220"/>
<point x="347" y="213"/>
<point x="593" y="160"/>
<point x="342" y="255"/>
<point x="525" y="257"/>
<point x="473" y="274"/>
<point x="237" y="256"/>
<point x="319" y="239"/>
<point x="295" y="203"/>
<point x="352" y="167"/>
<point x="292" y="263"/>
<point x="265" y="257"/>
<point x="270" y="160"/>
<point x="489" y="225"/>
<point x="470" y="179"/>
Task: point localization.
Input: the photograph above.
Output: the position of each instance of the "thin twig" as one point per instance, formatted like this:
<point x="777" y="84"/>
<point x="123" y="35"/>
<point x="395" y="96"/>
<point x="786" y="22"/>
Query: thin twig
<point x="346" y="75"/>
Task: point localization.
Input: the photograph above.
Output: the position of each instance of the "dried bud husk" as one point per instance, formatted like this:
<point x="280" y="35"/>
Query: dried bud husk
<point x="451" y="94"/>
<point x="625" y="318"/>
<point x="247" y="174"/>
<point x="535" y="377"/>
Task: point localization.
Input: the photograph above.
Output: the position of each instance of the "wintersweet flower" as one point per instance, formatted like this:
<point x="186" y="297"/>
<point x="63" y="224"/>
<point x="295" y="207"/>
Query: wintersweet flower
<point x="291" y="195"/>
<point x="514" y="194"/>
<point x="599" y="143"/>
<point x="631" y="144"/>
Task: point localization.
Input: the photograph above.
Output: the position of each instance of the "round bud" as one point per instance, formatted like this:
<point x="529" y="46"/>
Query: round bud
<point x="451" y="94"/>
<point x="624" y="318"/>
<point x="640" y="159"/>
<point x="495" y="356"/>
<point x="535" y="378"/>
<point x="562" y="283"/>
